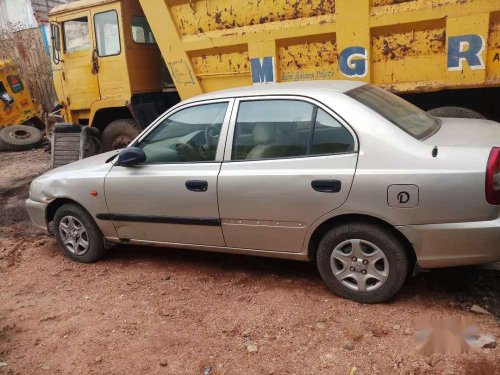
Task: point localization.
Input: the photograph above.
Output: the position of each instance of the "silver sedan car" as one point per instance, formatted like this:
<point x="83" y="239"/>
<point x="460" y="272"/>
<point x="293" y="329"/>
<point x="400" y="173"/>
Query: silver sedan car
<point x="342" y="173"/>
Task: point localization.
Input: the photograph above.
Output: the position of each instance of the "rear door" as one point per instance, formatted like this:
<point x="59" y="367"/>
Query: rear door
<point x="79" y="76"/>
<point x="291" y="161"/>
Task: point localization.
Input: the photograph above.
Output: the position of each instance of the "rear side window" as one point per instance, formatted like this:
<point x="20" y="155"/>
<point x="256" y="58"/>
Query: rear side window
<point x="270" y="129"/>
<point x="141" y="32"/>
<point x="15" y="83"/>
<point x="406" y="116"/>
<point x="107" y="33"/>
<point x="267" y="129"/>
<point x="76" y="35"/>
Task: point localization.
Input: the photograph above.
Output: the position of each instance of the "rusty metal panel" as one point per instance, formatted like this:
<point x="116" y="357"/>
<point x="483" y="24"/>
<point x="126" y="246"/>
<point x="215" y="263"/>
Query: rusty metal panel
<point x="402" y="45"/>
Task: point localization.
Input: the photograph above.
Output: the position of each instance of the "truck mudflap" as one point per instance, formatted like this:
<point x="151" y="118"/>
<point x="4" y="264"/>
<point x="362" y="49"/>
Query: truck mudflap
<point x="72" y="142"/>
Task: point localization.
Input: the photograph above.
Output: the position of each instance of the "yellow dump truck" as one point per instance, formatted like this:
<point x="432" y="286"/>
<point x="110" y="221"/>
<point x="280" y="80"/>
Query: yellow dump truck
<point x="16" y="105"/>
<point x="119" y="63"/>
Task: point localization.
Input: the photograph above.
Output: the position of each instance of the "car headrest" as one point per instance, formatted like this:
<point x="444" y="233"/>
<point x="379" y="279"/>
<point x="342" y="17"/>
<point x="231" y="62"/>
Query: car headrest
<point x="264" y="133"/>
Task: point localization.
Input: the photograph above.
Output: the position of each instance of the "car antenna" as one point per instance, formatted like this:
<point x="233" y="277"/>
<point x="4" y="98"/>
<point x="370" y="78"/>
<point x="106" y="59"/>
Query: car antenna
<point x="435" y="151"/>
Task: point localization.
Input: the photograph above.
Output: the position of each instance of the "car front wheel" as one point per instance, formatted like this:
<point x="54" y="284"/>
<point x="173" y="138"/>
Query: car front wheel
<point x="77" y="235"/>
<point x="363" y="262"/>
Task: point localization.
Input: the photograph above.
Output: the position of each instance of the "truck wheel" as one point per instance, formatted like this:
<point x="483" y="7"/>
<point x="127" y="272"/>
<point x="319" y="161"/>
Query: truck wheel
<point x="119" y="133"/>
<point x="458" y="112"/>
<point x="19" y="137"/>
<point x="362" y="262"/>
<point x="77" y="235"/>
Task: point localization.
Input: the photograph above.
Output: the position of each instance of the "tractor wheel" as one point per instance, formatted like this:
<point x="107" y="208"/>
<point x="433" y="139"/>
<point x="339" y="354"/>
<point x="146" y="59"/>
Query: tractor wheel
<point x="19" y="137"/>
<point x="119" y="133"/>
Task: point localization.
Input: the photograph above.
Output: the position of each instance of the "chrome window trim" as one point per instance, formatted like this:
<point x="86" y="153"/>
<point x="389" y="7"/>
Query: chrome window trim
<point x="328" y="110"/>
<point x="179" y="107"/>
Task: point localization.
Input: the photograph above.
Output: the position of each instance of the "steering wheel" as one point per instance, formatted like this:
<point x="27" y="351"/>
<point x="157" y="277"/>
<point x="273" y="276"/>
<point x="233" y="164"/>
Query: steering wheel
<point x="185" y="151"/>
<point x="212" y="133"/>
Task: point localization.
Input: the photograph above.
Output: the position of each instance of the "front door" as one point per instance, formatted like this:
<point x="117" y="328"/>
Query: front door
<point x="79" y="75"/>
<point x="172" y="197"/>
<point x="292" y="161"/>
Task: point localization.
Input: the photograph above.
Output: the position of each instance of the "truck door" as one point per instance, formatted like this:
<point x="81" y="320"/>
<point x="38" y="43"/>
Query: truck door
<point x="79" y="78"/>
<point x="109" y="59"/>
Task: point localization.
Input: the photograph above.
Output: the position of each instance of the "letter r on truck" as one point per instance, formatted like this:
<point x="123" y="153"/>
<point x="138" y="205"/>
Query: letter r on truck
<point x="465" y="48"/>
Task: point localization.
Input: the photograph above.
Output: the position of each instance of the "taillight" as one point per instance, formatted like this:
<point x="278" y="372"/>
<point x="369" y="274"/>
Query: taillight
<point x="493" y="177"/>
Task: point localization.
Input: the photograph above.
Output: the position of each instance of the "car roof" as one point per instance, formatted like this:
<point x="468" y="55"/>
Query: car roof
<point x="303" y="88"/>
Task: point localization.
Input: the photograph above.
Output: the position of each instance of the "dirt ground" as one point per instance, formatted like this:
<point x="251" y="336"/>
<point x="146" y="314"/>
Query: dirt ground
<point x="148" y="310"/>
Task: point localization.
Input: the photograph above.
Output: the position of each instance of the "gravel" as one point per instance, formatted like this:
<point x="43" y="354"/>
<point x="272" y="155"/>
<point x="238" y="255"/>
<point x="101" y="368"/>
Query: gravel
<point x="169" y="311"/>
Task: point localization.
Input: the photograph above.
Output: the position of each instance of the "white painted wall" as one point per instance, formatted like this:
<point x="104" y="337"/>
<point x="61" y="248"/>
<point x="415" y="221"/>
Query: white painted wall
<point x="17" y="14"/>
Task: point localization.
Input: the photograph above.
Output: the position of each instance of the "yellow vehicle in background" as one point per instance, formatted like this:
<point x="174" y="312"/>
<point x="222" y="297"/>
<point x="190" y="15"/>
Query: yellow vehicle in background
<point x="118" y="64"/>
<point x="20" y="117"/>
<point x="16" y="105"/>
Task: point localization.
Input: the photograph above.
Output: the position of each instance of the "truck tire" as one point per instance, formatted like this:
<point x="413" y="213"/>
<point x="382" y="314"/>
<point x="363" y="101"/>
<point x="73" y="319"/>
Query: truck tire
<point x="19" y="137"/>
<point x="77" y="234"/>
<point x="119" y="133"/>
<point x="458" y="112"/>
<point x="363" y="262"/>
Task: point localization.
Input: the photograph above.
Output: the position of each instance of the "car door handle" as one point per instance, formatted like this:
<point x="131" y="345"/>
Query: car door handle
<point x="197" y="185"/>
<point x="326" y="186"/>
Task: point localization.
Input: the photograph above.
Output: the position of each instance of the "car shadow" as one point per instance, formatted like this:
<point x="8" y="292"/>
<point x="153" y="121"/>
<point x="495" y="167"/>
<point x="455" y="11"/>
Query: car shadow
<point x="464" y="286"/>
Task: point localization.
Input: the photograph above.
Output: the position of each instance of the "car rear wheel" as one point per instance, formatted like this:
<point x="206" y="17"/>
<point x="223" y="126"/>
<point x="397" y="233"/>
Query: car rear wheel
<point x="77" y="235"/>
<point x="362" y="262"/>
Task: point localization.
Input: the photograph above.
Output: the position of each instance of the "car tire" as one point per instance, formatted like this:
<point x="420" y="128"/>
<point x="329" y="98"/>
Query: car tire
<point x="20" y="137"/>
<point x="71" y="219"/>
<point x="374" y="282"/>
<point x="119" y="133"/>
<point x="457" y="112"/>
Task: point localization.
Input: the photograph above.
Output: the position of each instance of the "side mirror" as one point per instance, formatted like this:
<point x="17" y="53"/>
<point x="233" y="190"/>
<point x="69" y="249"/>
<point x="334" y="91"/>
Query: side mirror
<point x="131" y="156"/>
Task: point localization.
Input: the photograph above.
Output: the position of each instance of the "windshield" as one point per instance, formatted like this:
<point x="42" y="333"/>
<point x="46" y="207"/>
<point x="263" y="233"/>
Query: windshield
<point x="411" y="119"/>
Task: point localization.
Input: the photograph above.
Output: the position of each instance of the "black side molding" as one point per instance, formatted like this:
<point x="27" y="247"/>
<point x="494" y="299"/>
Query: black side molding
<point x="209" y="221"/>
<point x="326" y="186"/>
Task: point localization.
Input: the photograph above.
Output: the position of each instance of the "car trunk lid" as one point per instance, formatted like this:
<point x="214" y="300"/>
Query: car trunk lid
<point x="466" y="132"/>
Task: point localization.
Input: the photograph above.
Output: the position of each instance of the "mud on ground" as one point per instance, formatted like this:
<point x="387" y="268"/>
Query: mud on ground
<point x="160" y="311"/>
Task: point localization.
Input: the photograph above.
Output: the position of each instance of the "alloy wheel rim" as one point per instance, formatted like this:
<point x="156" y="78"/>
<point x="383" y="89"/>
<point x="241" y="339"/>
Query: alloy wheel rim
<point x="74" y="235"/>
<point x="359" y="265"/>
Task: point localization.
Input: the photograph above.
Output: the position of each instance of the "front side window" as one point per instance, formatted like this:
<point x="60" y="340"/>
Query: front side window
<point x="401" y="113"/>
<point x="189" y="135"/>
<point x="107" y="33"/>
<point x="15" y="83"/>
<point x="141" y="32"/>
<point x="267" y="129"/>
<point x="76" y="35"/>
<point x="4" y="95"/>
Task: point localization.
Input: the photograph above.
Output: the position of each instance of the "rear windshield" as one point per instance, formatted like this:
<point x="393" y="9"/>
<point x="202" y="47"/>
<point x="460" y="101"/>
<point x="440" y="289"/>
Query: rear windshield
<point x="411" y="119"/>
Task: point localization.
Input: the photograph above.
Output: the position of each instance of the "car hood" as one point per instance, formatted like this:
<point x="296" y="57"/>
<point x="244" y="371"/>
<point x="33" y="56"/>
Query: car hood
<point x="68" y="180"/>
<point x="90" y="163"/>
<point x="466" y="132"/>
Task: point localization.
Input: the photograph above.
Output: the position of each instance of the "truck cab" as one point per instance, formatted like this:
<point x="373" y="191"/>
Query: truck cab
<point x="107" y="67"/>
<point x="16" y="105"/>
